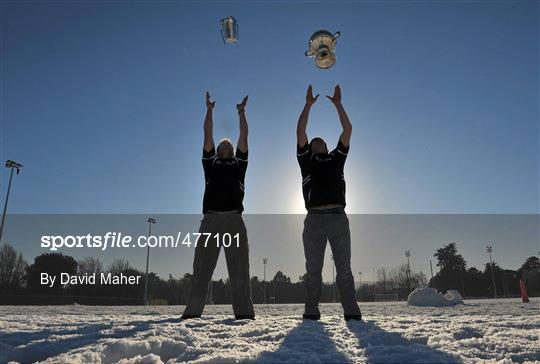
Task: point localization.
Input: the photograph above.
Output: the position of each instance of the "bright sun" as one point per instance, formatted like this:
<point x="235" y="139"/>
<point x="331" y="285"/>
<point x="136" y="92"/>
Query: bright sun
<point x="354" y="201"/>
<point x="297" y="203"/>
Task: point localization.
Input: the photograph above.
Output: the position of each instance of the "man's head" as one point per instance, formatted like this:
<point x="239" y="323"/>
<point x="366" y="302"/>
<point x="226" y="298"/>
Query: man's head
<point x="318" y="146"/>
<point x="225" y="149"/>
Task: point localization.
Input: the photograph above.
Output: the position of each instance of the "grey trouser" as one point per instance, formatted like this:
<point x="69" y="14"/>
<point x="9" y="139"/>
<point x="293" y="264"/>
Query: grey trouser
<point x="320" y="226"/>
<point x="206" y="258"/>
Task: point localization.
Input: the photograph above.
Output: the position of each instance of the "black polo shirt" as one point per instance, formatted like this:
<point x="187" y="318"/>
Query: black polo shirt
<point x="323" y="182"/>
<point x="224" y="179"/>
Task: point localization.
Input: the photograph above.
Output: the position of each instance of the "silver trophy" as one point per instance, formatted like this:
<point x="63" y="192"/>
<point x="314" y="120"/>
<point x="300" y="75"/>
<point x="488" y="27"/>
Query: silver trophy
<point x="229" y="30"/>
<point x="322" y="46"/>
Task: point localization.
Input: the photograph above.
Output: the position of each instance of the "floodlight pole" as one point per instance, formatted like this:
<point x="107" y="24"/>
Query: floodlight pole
<point x="490" y="250"/>
<point x="408" y="255"/>
<point x="13" y="165"/>
<point x="265" y="260"/>
<point x="150" y="222"/>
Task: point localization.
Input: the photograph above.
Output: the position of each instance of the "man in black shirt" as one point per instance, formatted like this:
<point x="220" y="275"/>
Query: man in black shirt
<point x="224" y="173"/>
<point x="323" y="187"/>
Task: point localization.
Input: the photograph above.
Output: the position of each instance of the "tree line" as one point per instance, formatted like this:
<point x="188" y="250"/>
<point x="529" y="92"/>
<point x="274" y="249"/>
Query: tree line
<point x="473" y="282"/>
<point x="20" y="281"/>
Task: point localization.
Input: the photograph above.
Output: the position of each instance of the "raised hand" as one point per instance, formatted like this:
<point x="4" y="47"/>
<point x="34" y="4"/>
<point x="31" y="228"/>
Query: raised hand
<point x="242" y="106"/>
<point x="208" y="144"/>
<point x="310" y="100"/>
<point x="336" y="99"/>
<point x="243" y="138"/>
<point x="209" y="104"/>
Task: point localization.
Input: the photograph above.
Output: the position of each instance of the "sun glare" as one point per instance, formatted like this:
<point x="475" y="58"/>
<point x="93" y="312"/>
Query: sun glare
<point x="297" y="202"/>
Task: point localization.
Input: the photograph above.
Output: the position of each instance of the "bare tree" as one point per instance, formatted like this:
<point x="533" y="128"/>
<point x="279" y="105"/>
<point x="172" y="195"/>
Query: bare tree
<point x="390" y="280"/>
<point x="119" y="265"/>
<point x="90" y="265"/>
<point x="383" y="281"/>
<point x="420" y="278"/>
<point x="398" y="276"/>
<point x="12" y="267"/>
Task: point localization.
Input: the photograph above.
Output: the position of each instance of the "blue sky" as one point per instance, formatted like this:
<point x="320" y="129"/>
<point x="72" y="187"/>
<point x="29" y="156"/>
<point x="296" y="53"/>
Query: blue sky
<point x="104" y="102"/>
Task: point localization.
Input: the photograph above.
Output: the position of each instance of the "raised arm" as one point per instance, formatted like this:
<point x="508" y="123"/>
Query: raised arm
<point x="301" y="135"/>
<point x="243" y="138"/>
<point x="209" y="125"/>
<point x="345" y="137"/>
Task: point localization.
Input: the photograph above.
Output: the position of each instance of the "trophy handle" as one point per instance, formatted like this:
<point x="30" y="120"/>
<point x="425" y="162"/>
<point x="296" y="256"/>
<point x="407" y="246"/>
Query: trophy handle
<point x="337" y="35"/>
<point x="308" y="53"/>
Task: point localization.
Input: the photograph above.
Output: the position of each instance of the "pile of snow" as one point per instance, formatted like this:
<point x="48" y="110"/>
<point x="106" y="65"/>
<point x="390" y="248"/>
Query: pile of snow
<point x="430" y="297"/>
<point x="454" y="297"/>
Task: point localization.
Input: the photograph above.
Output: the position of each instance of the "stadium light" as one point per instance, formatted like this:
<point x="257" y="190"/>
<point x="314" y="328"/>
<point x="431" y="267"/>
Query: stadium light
<point x="489" y="249"/>
<point x="150" y="222"/>
<point x="14" y="166"/>
<point x="265" y="261"/>
<point x="408" y="255"/>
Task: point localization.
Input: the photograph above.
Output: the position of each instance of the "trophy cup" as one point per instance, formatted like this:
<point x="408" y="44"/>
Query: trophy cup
<point x="229" y="30"/>
<point x="322" y="46"/>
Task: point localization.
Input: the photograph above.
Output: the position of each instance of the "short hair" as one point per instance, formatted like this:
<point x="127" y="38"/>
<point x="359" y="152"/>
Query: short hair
<point x="317" y="138"/>
<point x="227" y="140"/>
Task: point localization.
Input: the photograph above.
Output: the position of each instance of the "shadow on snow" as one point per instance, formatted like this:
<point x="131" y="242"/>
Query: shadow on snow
<point x="310" y="342"/>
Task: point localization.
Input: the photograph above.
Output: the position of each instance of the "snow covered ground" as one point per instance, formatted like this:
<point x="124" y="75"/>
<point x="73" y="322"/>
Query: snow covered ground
<point x="490" y="330"/>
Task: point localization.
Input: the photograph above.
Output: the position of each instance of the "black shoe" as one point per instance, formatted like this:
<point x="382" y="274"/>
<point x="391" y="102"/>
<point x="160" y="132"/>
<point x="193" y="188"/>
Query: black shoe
<point x="244" y="317"/>
<point x="187" y="317"/>
<point x="353" y="317"/>
<point x="311" y="317"/>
